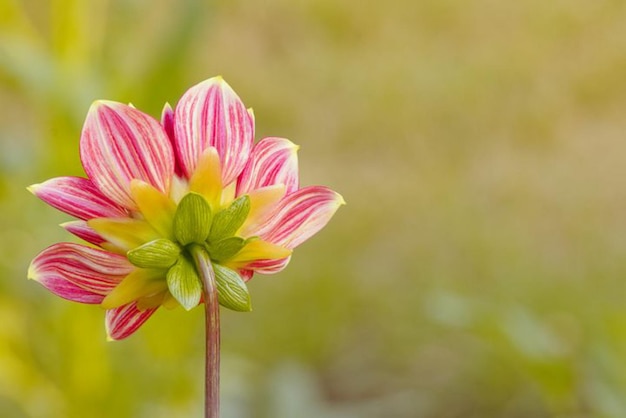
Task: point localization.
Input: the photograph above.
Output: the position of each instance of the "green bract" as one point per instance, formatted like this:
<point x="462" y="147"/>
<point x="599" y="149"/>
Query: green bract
<point x="232" y="291"/>
<point x="225" y="248"/>
<point x="160" y="253"/>
<point x="192" y="221"/>
<point x="229" y="220"/>
<point x="193" y="224"/>
<point x="184" y="283"/>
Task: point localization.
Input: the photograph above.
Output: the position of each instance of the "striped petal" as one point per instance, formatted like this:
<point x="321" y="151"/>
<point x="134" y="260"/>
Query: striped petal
<point x="246" y="274"/>
<point x="268" y="266"/>
<point x="118" y="144"/>
<point x="82" y="231"/>
<point x="123" y="321"/>
<point x="272" y="161"/>
<point x="299" y="216"/>
<point x="211" y="114"/>
<point x="78" y="273"/>
<point x="167" y="120"/>
<point x="78" y="197"/>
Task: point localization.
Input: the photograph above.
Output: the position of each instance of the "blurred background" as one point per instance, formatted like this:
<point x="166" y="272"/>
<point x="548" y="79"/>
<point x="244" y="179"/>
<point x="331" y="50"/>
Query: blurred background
<point x="478" y="269"/>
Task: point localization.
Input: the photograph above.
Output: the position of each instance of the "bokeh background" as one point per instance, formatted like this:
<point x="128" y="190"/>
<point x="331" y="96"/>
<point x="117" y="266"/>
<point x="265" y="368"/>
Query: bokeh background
<point x="478" y="269"/>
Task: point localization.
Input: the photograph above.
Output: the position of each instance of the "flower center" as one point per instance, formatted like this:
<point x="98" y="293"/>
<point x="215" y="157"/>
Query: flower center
<point x="161" y="243"/>
<point x="195" y="228"/>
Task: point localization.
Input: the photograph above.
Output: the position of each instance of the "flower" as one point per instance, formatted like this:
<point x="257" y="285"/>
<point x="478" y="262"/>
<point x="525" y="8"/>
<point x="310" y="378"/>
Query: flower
<point x="155" y="192"/>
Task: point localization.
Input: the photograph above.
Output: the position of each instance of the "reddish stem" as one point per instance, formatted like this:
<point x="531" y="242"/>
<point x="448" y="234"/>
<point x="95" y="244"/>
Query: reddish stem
<point x="212" y="333"/>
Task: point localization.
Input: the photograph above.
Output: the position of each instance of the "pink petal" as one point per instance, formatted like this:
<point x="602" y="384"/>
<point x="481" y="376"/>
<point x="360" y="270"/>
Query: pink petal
<point x="78" y="197"/>
<point x="82" y="231"/>
<point x="246" y="274"/>
<point x="123" y="321"/>
<point x="68" y="290"/>
<point x="78" y="273"/>
<point x="211" y="114"/>
<point x="167" y="120"/>
<point x="300" y="215"/>
<point x="118" y="144"/>
<point x="268" y="266"/>
<point x="272" y="161"/>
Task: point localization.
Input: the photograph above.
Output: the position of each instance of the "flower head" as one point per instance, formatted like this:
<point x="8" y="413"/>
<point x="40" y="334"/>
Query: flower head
<point x="155" y="192"/>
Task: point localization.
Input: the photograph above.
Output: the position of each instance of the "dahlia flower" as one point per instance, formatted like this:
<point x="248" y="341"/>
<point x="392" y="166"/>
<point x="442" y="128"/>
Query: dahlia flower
<point x="161" y="198"/>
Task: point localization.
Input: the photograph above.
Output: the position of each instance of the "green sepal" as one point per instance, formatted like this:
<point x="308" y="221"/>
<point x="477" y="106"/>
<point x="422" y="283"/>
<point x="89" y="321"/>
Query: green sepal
<point x="225" y="248"/>
<point x="229" y="220"/>
<point x="184" y="284"/>
<point x="192" y="221"/>
<point x="158" y="254"/>
<point x="232" y="292"/>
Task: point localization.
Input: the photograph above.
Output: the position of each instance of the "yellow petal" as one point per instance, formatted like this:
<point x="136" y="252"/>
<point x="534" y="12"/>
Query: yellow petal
<point x="228" y="194"/>
<point x="170" y="302"/>
<point x="138" y="284"/>
<point x="113" y="248"/>
<point x="178" y="189"/>
<point x="157" y="209"/>
<point x="152" y="301"/>
<point x="124" y="233"/>
<point x="261" y="202"/>
<point x="257" y="250"/>
<point x="207" y="178"/>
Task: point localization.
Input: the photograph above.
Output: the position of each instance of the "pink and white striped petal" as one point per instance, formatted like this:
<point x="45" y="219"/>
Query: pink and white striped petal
<point x="82" y="231"/>
<point x="299" y="216"/>
<point x="268" y="266"/>
<point x="211" y="114"/>
<point x="78" y="273"/>
<point x="272" y="161"/>
<point x="78" y="197"/>
<point x="246" y="274"/>
<point x="118" y="144"/>
<point x="167" y="121"/>
<point x="123" y="321"/>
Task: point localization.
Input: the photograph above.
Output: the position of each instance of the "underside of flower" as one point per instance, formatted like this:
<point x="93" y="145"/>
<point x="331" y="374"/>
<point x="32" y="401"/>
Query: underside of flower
<point x="166" y="233"/>
<point x="158" y="194"/>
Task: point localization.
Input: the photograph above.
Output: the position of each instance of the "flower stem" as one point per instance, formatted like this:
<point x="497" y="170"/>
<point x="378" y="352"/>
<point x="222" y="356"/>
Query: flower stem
<point x="212" y="323"/>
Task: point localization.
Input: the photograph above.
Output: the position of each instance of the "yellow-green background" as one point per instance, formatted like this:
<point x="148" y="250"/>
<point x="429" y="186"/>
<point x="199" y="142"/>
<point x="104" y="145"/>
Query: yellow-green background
<point x="477" y="271"/>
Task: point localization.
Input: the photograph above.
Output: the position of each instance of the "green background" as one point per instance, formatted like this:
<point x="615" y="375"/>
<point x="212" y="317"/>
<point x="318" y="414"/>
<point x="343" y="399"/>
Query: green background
<point x="478" y="269"/>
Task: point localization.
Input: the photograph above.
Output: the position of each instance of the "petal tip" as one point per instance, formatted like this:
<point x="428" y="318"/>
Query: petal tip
<point x="33" y="188"/>
<point x="289" y="144"/>
<point x="167" y="111"/>
<point x="340" y="200"/>
<point x="32" y="273"/>
<point x="107" y="329"/>
<point x="103" y="105"/>
<point x="215" y="80"/>
<point x="96" y="104"/>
